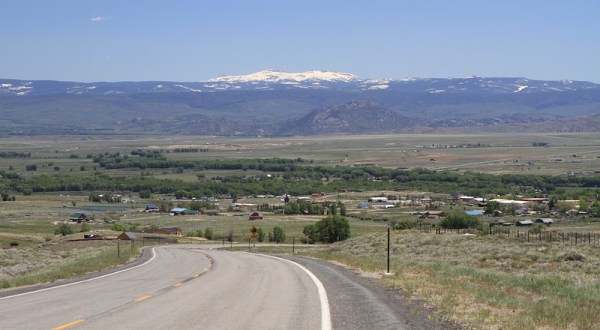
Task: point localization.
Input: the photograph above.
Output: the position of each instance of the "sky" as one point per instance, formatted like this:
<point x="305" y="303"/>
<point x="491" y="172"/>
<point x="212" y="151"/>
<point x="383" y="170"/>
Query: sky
<point x="194" y="40"/>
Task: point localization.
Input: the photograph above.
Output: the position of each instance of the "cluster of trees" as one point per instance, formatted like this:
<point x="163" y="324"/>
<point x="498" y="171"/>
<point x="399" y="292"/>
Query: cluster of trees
<point x="13" y="154"/>
<point x="331" y="229"/>
<point x="295" y="178"/>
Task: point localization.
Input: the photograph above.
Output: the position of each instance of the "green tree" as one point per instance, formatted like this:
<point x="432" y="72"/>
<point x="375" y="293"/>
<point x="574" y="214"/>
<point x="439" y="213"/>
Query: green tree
<point x="458" y="219"/>
<point x="342" y="208"/>
<point x="278" y="234"/>
<point x="63" y="229"/>
<point x="208" y="234"/>
<point x="118" y="227"/>
<point x="260" y="233"/>
<point x="330" y="229"/>
<point x="492" y="207"/>
<point x="84" y="228"/>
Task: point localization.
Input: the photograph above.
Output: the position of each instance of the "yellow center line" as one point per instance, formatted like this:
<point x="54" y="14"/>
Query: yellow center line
<point x="142" y="298"/>
<point x="70" y="324"/>
<point x="177" y="284"/>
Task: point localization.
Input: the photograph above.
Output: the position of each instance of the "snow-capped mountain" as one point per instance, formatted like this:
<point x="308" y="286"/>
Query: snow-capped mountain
<point x="276" y="76"/>
<point x="271" y="80"/>
<point x="273" y="102"/>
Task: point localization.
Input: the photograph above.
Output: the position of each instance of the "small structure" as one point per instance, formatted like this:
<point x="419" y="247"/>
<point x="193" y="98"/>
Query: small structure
<point x="173" y="231"/>
<point x="151" y="208"/>
<point x="93" y="236"/>
<point x="546" y="221"/>
<point x="524" y="223"/>
<point x="378" y="199"/>
<point x="255" y="216"/>
<point x="432" y="215"/>
<point x="78" y="217"/>
<point x="127" y="236"/>
<point x="362" y="206"/>
<point x="182" y="211"/>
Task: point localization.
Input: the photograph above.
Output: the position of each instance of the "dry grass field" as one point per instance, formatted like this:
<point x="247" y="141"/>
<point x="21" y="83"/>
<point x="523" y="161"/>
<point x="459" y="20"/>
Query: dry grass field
<point x="483" y="282"/>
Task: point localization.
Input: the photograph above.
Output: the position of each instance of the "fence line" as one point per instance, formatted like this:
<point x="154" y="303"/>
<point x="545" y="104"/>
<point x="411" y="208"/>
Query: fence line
<point x="568" y="238"/>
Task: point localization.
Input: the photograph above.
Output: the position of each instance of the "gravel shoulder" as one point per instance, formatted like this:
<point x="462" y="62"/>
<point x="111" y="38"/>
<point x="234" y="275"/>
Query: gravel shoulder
<point x="358" y="302"/>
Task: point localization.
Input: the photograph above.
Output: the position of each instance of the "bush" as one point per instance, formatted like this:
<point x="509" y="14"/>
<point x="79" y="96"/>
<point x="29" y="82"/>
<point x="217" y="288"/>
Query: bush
<point x="64" y="230"/>
<point x="261" y="235"/>
<point x="459" y="220"/>
<point x="278" y="234"/>
<point x="84" y="227"/>
<point x="14" y="244"/>
<point x="118" y="227"/>
<point x="208" y="234"/>
<point x="402" y="225"/>
<point x="331" y="229"/>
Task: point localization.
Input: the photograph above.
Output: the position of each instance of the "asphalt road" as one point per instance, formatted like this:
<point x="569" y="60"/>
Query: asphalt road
<point x="196" y="287"/>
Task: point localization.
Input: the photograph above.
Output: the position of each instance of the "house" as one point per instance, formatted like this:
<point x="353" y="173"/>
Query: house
<point x="255" y="216"/>
<point x="182" y="211"/>
<point x="362" y="206"/>
<point x="127" y="236"/>
<point x="173" y="231"/>
<point x="546" y="221"/>
<point x="151" y="208"/>
<point x="432" y="214"/>
<point x="78" y="217"/>
<point x="378" y="199"/>
<point x="524" y="223"/>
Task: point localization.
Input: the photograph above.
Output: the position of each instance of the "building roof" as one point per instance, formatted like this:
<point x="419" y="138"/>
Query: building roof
<point x="127" y="235"/>
<point x="544" y="220"/>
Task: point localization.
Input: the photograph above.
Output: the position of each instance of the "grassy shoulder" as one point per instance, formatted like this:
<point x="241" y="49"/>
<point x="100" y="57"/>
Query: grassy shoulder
<point x="484" y="282"/>
<point x="35" y="265"/>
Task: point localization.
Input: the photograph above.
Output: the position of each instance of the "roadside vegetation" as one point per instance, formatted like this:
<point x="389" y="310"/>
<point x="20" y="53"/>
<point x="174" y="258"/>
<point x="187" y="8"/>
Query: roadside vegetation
<point x="311" y="192"/>
<point x="484" y="282"/>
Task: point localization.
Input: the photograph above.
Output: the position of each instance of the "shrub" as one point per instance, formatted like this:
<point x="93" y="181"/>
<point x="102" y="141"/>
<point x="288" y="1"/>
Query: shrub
<point x="331" y="229"/>
<point x="402" y="225"/>
<point x="84" y="227"/>
<point x="278" y="234"/>
<point x="14" y="244"/>
<point x="64" y="230"/>
<point x="118" y="227"/>
<point x="208" y="234"/>
<point x="459" y="220"/>
<point x="261" y="235"/>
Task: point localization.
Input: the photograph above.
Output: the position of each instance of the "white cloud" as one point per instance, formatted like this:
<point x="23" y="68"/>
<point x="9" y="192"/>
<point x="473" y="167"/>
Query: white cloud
<point x="98" y="19"/>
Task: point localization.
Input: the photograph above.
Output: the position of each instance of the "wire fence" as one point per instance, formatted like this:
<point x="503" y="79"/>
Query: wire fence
<point x="524" y="235"/>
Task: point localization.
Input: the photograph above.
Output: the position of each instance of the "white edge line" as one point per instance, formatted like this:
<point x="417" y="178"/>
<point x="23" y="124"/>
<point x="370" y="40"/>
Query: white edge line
<point x="83" y="281"/>
<point x="325" y="313"/>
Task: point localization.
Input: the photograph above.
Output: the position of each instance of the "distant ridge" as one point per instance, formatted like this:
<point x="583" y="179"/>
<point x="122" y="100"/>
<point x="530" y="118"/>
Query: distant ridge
<point x="272" y="102"/>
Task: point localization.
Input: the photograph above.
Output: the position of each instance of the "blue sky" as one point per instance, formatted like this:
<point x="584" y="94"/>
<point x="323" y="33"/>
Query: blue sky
<point x="135" y="40"/>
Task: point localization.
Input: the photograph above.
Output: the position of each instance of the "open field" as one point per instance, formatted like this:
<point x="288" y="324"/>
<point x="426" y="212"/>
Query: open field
<point x="490" y="153"/>
<point x="483" y="282"/>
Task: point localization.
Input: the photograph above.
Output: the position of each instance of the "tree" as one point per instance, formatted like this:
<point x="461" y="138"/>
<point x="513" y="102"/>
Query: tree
<point x="278" y="234"/>
<point x="144" y="194"/>
<point x="458" y="219"/>
<point x="492" y="207"/>
<point x="63" y="229"/>
<point x="330" y="229"/>
<point x="84" y="228"/>
<point x="208" y="234"/>
<point x="261" y="234"/>
<point x="342" y="208"/>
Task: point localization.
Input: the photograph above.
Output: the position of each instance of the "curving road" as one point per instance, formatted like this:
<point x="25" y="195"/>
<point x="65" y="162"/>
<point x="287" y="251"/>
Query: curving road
<point x="197" y="287"/>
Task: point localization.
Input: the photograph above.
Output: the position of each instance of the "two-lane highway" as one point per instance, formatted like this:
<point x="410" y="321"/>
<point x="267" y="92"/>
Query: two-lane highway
<point x="197" y="287"/>
<point x="181" y="287"/>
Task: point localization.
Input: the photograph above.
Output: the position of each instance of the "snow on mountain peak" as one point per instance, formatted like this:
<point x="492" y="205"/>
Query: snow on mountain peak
<point x="280" y="76"/>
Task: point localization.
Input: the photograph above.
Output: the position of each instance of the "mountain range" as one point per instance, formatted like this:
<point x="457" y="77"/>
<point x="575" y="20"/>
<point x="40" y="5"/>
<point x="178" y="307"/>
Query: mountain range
<point x="276" y="103"/>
